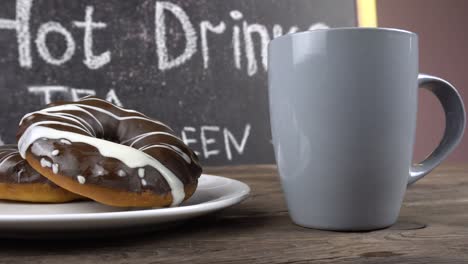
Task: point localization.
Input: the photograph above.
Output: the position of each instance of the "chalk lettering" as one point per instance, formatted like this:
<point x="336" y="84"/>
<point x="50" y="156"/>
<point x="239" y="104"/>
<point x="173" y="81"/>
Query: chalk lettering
<point x="261" y="30"/>
<point x="229" y="138"/>
<point x="205" y="141"/>
<point x="47" y="91"/>
<point x="236" y="43"/>
<point x="278" y="30"/>
<point x="92" y="61"/>
<point x="236" y="15"/>
<point x="318" y="26"/>
<point x="188" y="140"/>
<point x="23" y="36"/>
<point x="164" y="62"/>
<point x="206" y="26"/>
<point x="112" y="97"/>
<point x="42" y="48"/>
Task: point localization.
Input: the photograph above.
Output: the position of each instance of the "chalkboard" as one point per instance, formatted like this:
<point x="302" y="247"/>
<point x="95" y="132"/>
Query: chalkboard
<point x="199" y="65"/>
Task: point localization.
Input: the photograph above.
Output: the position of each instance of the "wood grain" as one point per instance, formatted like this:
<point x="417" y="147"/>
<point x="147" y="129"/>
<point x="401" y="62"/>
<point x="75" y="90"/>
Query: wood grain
<point x="432" y="228"/>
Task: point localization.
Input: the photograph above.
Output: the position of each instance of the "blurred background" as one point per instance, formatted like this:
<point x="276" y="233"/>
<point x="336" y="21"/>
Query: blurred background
<point x="443" y="48"/>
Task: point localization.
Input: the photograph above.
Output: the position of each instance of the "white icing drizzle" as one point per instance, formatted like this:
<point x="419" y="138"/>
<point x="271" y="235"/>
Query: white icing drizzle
<point x="120" y="118"/>
<point x="141" y="172"/>
<point x="131" y="157"/>
<point x="5" y="149"/>
<point x="144" y="135"/>
<point x="55" y="168"/>
<point x="45" y="163"/>
<point x="81" y="179"/>
<point x="162" y="145"/>
<point x="22" y="160"/>
<point x="55" y="152"/>
<point x="75" y="119"/>
<point x="7" y="157"/>
<point x="86" y="97"/>
<point x="170" y="147"/>
<point x="60" y="123"/>
<point x="19" y="175"/>
<point x="81" y="120"/>
<point x="64" y="141"/>
<point x="67" y="107"/>
<point x="120" y="108"/>
<point x="121" y="173"/>
<point x="79" y="107"/>
<point x="9" y="150"/>
<point x="12" y="153"/>
<point x="72" y="118"/>
<point x="89" y="98"/>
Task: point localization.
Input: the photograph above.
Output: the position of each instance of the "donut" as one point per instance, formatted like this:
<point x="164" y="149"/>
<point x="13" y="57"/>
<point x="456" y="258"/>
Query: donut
<point x="115" y="156"/>
<point x="20" y="182"/>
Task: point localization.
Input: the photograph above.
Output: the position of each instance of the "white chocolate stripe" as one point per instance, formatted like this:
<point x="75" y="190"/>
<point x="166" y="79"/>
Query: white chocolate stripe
<point x="79" y="107"/>
<point x="120" y="118"/>
<point x="14" y="152"/>
<point x="7" y="158"/>
<point x="72" y="119"/>
<point x="5" y="148"/>
<point x="22" y="160"/>
<point x="66" y="107"/>
<point x="5" y="151"/>
<point x="11" y="151"/>
<point x="56" y="123"/>
<point x="116" y="106"/>
<point x="170" y="147"/>
<point x="131" y="157"/>
<point x="144" y="135"/>
<point x="81" y="120"/>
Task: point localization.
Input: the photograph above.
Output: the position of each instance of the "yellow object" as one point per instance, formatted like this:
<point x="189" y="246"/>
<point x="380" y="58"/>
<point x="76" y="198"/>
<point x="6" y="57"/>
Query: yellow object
<point x="367" y="13"/>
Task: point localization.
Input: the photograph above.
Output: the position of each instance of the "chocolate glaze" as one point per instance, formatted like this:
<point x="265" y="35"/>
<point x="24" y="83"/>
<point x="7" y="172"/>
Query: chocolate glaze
<point x="15" y="170"/>
<point x="74" y="159"/>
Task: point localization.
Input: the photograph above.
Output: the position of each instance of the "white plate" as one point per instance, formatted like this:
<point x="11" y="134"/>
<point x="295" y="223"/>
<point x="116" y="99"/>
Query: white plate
<point x="85" y="218"/>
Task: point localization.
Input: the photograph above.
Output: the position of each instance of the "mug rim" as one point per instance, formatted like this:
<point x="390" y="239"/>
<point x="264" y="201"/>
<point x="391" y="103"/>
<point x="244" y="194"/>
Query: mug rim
<point x="321" y="30"/>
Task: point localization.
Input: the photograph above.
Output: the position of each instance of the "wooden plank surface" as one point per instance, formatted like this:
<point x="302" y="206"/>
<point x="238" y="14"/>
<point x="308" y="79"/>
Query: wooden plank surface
<point x="432" y="228"/>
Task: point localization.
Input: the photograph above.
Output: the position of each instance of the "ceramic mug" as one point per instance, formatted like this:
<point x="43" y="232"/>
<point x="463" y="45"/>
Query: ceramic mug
<point x="343" y="106"/>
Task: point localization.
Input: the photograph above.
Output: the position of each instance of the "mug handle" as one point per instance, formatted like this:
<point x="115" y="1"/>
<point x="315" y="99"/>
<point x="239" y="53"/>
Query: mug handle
<point x="454" y="124"/>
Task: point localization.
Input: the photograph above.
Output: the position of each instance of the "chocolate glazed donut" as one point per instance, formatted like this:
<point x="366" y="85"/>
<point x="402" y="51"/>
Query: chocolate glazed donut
<point x="112" y="155"/>
<point x="20" y="182"/>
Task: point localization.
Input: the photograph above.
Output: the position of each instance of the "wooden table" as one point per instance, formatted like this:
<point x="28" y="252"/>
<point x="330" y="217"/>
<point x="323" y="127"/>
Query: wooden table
<point x="432" y="228"/>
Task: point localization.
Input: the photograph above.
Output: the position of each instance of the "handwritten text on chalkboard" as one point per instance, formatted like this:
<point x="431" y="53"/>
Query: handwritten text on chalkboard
<point x="241" y="32"/>
<point x="199" y="66"/>
<point x="196" y="38"/>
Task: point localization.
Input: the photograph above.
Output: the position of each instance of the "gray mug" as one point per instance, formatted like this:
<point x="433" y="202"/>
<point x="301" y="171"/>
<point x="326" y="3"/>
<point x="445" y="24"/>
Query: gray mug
<point x="343" y="106"/>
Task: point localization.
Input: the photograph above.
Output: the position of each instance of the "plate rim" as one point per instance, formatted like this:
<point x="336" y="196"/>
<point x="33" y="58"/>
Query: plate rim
<point x="146" y="213"/>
